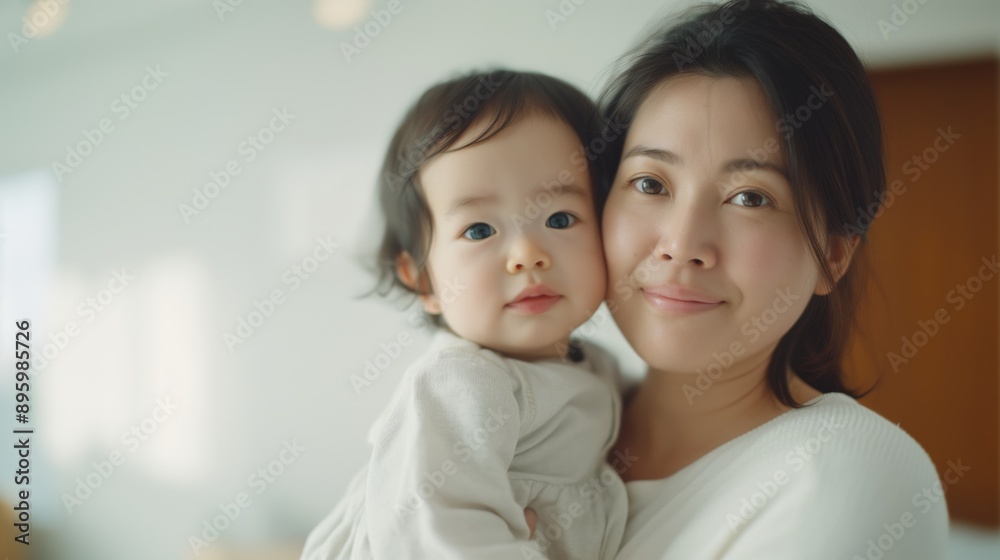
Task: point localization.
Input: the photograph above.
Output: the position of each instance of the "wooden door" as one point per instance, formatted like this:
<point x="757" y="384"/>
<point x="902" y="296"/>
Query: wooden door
<point x="929" y="325"/>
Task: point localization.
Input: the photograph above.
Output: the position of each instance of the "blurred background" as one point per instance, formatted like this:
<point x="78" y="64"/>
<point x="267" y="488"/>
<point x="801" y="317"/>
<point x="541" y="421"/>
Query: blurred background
<point x="186" y="192"/>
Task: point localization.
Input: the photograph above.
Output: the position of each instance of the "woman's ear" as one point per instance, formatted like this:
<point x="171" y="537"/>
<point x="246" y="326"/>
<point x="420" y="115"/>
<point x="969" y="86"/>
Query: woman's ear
<point x="838" y="258"/>
<point x="410" y="275"/>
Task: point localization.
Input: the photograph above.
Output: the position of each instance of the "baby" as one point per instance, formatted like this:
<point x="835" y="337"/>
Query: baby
<point x="492" y="220"/>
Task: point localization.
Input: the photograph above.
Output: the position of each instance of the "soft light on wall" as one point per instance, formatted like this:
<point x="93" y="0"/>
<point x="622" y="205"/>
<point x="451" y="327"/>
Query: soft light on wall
<point x="340" y="14"/>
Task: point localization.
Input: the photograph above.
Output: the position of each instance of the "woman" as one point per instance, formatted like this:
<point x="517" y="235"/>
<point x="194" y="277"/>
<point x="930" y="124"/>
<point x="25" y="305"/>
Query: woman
<point x="750" y="136"/>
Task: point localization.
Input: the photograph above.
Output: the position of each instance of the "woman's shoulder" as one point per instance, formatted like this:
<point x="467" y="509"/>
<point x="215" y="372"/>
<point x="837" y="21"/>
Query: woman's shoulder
<point x="850" y="425"/>
<point x="843" y="432"/>
<point x="832" y="476"/>
<point x="851" y="453"/>
<point x="838" y="462"/>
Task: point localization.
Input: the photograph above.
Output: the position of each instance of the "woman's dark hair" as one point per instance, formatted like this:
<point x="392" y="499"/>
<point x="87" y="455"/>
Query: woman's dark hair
<point x="824" y="108"/>
<point x="437" y="121"/>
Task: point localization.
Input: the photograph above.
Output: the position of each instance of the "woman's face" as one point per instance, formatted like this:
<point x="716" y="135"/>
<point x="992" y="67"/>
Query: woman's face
<point x="707" y="266"/>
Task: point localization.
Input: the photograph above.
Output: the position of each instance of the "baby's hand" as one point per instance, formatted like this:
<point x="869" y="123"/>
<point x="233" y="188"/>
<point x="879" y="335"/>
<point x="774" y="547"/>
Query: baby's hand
<point x="531" y="519"/>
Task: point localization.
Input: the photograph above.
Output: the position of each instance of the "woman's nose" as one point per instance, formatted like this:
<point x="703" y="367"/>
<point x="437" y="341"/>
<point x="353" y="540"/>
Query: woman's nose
<point x="687" y="238"/>
<point x="526" y="254"/>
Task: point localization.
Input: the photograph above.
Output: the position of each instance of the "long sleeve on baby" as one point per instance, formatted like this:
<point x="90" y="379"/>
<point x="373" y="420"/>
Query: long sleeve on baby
<point x="438" y="485"/>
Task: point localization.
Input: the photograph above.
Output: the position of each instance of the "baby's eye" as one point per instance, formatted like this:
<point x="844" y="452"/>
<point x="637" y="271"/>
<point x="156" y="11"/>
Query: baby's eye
<point x="648" y="185"/>
<point x="560" y="220"/>
<point x="751" y="199"/>
<point x="478" y="231"/>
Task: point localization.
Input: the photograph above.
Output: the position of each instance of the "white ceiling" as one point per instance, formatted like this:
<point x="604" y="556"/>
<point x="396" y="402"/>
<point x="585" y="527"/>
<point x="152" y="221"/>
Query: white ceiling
<point x="937" y="30"/>
<point x="270" y="53"/>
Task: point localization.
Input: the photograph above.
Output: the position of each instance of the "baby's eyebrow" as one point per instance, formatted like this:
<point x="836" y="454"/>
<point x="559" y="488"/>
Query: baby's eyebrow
<point x="466" y="201"/>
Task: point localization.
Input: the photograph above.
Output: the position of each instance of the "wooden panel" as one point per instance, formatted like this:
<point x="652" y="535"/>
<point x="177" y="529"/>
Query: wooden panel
<point x="934" y="237"/>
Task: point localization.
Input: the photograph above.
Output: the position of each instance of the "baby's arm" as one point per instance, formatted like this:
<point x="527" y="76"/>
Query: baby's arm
<point x="437" y="485"/>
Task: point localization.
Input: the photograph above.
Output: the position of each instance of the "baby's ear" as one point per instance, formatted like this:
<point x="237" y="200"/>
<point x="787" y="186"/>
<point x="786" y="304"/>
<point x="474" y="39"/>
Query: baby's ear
<point x="407" y="271"/>
<point x="410" y="275"/>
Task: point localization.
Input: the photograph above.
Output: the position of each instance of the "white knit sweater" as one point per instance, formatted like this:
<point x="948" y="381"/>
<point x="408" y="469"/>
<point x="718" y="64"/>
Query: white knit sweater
<point x="832" y="480"/>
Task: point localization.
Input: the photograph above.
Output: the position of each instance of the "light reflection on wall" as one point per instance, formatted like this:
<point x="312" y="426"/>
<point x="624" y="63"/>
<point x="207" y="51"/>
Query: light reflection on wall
<point x="328" y="192"/>
<point x="340" y="14"/>
<point x="142" y="354"/>
<point x="139" y="334"/>
<point x="174" y="363"/>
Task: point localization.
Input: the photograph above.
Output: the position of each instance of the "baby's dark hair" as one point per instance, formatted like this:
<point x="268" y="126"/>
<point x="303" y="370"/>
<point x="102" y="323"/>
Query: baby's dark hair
<point x="442" y="115"/>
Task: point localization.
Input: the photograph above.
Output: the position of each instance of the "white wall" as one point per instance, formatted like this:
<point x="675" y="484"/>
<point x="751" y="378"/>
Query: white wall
<point x="161" y="337"/>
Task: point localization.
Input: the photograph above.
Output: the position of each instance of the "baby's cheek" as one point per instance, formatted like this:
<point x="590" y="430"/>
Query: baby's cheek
<point x="596" y="278"/>
<point x="595" y="251"/>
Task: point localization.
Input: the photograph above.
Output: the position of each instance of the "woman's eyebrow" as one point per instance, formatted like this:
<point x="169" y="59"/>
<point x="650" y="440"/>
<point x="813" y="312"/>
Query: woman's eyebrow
<point x="742" y="164"/>
<point x="656" y="153"/>
<point x="746" y="165"/>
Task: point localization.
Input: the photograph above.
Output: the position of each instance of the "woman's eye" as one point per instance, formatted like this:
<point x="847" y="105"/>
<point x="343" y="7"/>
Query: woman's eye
<point x="560" y="220"/>
<point x="478" y="231"/>
<point x="648" y="185"/>
<point x="751" y="199"/>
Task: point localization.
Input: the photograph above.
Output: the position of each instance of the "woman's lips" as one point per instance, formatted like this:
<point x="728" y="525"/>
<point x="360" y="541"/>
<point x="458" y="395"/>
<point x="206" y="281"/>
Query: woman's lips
<point x="675" y="306"/>
<point x="534" y="305"/>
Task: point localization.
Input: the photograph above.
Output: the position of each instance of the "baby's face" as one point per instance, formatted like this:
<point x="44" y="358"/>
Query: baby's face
<point x="514" y="213"/>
